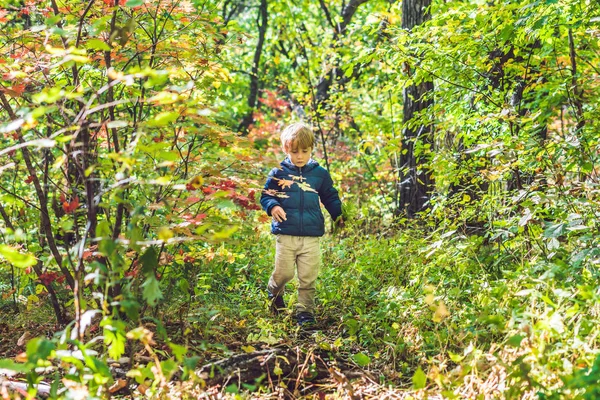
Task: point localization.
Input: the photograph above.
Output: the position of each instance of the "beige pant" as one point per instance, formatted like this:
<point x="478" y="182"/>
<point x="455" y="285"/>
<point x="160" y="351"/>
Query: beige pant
<point x="302" y="252"/>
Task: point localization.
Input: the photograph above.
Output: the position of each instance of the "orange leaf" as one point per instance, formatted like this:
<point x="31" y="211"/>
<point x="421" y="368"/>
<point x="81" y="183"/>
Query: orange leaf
<point x="72" y="206"/>
<point x="284" y="183"/>
<point x="18" y="89"/>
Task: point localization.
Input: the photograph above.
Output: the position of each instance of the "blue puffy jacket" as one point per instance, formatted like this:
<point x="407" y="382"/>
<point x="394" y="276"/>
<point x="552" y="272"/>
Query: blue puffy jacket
<point x="297" y="191"/>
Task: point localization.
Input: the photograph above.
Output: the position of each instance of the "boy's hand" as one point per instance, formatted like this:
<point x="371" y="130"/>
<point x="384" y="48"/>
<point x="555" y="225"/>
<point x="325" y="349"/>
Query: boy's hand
<point x="339" y="223"/>
<point x="278" y="214"/>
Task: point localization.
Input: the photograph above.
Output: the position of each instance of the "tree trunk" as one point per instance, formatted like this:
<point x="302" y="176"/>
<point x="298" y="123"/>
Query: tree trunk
<point x="254" y="78"/>
<point x="416" y="182"/>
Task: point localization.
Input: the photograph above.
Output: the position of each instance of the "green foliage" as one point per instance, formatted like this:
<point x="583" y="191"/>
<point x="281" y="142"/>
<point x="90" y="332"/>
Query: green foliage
<point x="120" y="176"/>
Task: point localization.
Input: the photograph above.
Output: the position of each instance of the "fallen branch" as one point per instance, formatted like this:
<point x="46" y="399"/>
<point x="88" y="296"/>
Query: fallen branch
<point x="43" y="389"/>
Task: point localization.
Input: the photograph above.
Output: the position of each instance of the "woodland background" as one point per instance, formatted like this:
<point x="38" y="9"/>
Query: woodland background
<point x="135" y="139"/>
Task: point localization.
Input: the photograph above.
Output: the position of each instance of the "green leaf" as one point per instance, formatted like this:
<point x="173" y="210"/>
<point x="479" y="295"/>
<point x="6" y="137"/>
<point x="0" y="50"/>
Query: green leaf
<point x="13" y="366"/>
<point x="189" y="366"/>
<point x="515" y="341"/>
<point x="152" y="291"/>
<point x="97" y="44"/>
<point x="419" y="379"/>
<point x="163" y="118"/>
<point x="232" y="388"/>
<point x="169" y="367"/>
<point x="169" y="155"/>
<point x="107" y="247"/>
<point x="149" y="261"/>
<point x="115" y="342"/>
<point x="134" y="3"/>
<point x="555" y="230"/>
<point x="361" y="359"/>
<point x="178" y="351"/>
<point x="455" y="357"/>
<point x="114" y="337"/>
<point x="39" y="349"/>
<point x="16" y="258"/>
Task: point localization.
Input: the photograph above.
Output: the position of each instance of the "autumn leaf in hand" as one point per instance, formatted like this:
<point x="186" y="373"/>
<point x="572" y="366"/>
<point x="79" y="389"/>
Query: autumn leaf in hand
<point x="298" y="178"/>
<point x="284" y="183"/>
<point x="306" y="187"/>
<point x="275" y="193"/>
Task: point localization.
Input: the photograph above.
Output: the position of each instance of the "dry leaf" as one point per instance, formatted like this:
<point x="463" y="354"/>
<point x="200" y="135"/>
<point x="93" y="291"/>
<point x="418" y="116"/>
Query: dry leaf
<point x="118" y="385"/>
<point x="21" y="357"/>
<point x="142" y="389"/>
<point x="24" y="339"/>
<point x="284" y="183"/>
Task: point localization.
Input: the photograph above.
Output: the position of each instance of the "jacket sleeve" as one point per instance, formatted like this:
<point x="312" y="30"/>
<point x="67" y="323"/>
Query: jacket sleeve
<point x="330" y="198"/>
<point x="268" y="201"/>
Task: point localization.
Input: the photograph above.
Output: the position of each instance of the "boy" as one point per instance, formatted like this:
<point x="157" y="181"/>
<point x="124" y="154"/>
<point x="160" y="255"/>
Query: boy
<point x="291" y="196"/>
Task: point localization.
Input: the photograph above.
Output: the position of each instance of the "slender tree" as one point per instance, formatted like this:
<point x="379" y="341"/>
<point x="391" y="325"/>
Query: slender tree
<point x="261" y="21"/>
<point x="415" y="183"/>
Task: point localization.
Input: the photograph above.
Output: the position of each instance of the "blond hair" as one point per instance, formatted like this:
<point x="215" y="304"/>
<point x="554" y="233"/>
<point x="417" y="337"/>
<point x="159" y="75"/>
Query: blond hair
<point x="297" y="135"/>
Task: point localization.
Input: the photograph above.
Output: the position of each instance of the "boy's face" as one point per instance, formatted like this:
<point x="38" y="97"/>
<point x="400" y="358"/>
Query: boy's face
<point x="299" y="157"/>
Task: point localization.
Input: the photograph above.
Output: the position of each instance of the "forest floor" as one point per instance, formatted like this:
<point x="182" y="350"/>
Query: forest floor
<point x="393" y="322"/>
<point x="301" y="365"/>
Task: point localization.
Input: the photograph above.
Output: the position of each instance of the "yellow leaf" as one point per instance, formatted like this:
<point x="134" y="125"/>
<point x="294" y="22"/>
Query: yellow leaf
<point x="197" y="182"/>
<point x="248" y="349"/>
<point x="440" y="313"/>
<point x="429" y="299"/>
<point x="165" y="233"/>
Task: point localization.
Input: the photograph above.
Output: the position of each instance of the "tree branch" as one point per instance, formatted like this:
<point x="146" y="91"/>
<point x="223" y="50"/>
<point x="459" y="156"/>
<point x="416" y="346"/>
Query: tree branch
<point x="44" y="215"/>
<point x="327" y="14"/>
<point x="348" y="12"/>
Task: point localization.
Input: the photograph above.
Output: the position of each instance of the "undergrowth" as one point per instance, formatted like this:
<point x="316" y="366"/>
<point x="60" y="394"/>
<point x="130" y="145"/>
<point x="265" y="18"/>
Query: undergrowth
<point x="424" y="310"/>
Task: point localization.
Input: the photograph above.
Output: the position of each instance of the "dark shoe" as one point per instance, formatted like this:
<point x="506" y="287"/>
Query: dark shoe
<point x="277" y="305"/>
<point x="305" y="320"/>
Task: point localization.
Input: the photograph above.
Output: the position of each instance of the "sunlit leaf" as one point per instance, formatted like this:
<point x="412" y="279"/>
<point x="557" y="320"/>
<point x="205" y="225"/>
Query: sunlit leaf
<point x="419" y="379"/>
<point x="361" y="359"/>
<point x="16" y="258"/>
<point x="163" y="119"/>
<point x="97" y="44"/>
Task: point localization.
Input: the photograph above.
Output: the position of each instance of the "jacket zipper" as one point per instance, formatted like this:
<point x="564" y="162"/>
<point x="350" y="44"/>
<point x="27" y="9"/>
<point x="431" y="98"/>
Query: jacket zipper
<point x="301" y="205"/>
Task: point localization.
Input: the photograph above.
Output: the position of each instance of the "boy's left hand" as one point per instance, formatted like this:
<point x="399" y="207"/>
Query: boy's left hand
<point x="339" y="223"/>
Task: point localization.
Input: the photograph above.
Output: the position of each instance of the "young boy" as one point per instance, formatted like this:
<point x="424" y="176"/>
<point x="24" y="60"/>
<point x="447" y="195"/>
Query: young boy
<point x="291" y="196"/>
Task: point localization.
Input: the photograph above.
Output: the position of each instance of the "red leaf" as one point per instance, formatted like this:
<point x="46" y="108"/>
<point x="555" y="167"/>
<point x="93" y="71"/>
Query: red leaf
<point x="48" y="277"/>
<point x="18" y="89"/>
<point x="72" y="206"/>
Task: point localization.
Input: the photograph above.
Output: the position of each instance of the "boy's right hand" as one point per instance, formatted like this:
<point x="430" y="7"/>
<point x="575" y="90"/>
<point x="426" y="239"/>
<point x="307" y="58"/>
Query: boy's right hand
<point x="278" y="214"/>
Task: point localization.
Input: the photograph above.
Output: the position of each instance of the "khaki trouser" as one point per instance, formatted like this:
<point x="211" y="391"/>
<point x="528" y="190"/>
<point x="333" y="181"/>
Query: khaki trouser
<point x="302" y="252"/>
